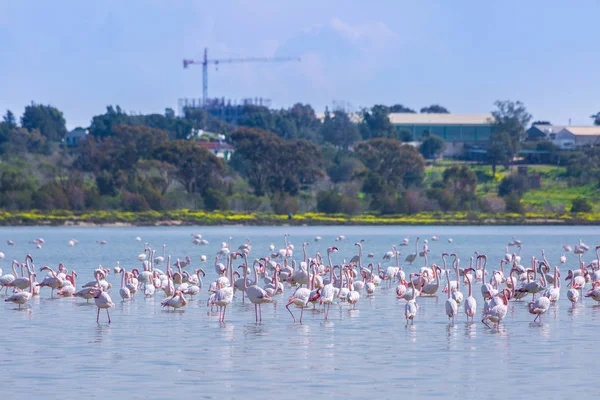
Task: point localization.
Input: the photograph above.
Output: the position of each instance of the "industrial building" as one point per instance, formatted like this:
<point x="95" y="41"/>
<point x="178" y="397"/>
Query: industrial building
<point x="457" y="130"/>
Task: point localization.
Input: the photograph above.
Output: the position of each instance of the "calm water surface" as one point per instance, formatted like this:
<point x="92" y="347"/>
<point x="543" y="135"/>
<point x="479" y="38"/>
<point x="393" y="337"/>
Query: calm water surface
<point x="54" y="347"/>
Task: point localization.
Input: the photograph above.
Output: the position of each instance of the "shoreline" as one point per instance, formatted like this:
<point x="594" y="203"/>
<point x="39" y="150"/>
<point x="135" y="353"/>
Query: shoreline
<point x="218" y="218"/>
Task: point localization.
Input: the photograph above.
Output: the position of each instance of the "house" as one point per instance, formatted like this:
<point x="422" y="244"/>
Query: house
<point x="75" y="137"/>
<point x="457" y="130"/>
<point x="572" y="137"/>
<point x="544" y="132"/>
<point x="220" y="149"/>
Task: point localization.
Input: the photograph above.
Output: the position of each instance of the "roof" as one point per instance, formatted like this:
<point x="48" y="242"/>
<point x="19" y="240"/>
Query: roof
<point x="441" y="119"/>
<point x="583" y="130"/>
<point x="216" y="145"/>
<point x="547" y="129"/>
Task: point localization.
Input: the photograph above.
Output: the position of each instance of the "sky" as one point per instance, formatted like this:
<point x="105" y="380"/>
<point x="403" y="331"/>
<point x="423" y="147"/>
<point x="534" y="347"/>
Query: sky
<point x="81" y="56"/>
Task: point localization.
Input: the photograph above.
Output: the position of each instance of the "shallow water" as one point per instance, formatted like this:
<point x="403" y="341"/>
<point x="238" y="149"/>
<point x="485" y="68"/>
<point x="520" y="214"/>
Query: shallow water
<point x="54" y="346"/>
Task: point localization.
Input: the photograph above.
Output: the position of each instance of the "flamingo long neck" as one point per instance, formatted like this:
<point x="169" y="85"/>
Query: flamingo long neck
<point x="470" y="285"/>
<point x="483" y="264"/>
<point x="123" y="278"/>
<point x="414" y="292"/>
<point x="457" y="276"/>
<point x="303" y="250"/>
<point x="245" y="271"/>
<point x="448" y="280"/>
<point x="502" y="262"/>
<point x="556" y="277"/>
<point x="360" y="251"/>
<point x="397" y="258"/>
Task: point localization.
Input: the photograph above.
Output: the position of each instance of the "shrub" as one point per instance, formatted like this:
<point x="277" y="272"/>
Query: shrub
<point x="581" y="205"/>
<point x="215" y="200"/>
<point x="513" y="204"/>
<point x="513" y="184"/>
<point x="332" y="202"/>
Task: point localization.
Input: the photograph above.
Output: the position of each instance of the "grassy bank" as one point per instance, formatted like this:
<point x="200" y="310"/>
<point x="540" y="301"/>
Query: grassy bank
<point x="190" y="217"/>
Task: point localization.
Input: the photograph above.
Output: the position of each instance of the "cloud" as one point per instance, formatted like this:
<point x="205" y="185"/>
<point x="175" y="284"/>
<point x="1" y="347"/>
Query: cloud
<point x="339" y="56"/>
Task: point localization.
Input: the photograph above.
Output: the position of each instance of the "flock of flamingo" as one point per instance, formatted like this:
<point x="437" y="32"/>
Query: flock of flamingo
<point x="317" y="282"/>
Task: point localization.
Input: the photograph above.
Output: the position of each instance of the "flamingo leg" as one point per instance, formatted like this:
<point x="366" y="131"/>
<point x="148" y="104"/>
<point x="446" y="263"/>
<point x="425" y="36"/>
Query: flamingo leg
<point x="291" y="313"/>
<point x="256" y="312"/>
<point x="108" y="315"/>
<point x="98" y="316"/>
<point x="224" y="309"/>
<point x="260" y="310"/>
<point x="301" y="313"/>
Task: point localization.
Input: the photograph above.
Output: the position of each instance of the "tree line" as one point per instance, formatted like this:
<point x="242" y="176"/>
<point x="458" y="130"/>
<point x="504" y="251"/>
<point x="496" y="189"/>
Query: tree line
<point x="285" y="161"/>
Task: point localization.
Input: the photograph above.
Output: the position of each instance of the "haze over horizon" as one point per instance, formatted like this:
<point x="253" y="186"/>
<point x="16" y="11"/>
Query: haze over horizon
<point x="83" y="56"/>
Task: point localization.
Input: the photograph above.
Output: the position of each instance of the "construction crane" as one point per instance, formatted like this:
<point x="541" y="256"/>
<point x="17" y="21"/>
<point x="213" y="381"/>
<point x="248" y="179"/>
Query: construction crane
<point x="205" y="61"/>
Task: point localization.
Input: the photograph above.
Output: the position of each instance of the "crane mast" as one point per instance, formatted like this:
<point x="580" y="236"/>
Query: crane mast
<point x="205" y="62"/>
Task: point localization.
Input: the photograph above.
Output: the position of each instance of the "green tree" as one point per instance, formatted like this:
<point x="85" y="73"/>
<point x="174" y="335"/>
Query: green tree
<point x="376" y="123"/>
<point x="596" y="118"/>
<point x="10" y="120"/>
<point x="432" y="146"/>
<point x="513" y="184"/>
<point x="499" y="150"/>
<point x="197" y="169"/>
<point x="581" y="205"/>
<point x="273" y="165"/>
<point x="399" y="108"/>
<point x="45" y="118"/>
<point x="339" y="130"/>
<point x="397" y="164"/>
<point x="434" y="109"/>
<point x="511" y="118"/>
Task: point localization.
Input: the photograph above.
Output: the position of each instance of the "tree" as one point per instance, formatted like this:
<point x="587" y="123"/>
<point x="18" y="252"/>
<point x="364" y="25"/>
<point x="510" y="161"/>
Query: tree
<point x="198" y="170"/>
<point x="513" y="185"/>
<point x="47" y="119"/>
<point x="499" y="150"/>
<point x="398" y="165"/>
<point x="511" y="118"/>
<point x="10" y="120"/>
<point x="596" y="118"/>
<point x="376" y="123"/>
<point x="434" y="109"/>
<point x="581" y="205"/>
<point x="273" y="165"/>
<point x="339" y="130"/>
<point x="432" y="146"/>
<point x="404" y="135"/>
<point x="399" y="108"/>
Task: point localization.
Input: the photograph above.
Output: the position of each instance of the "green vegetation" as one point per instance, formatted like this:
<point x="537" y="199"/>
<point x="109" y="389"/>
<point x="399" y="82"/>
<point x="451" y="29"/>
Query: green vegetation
<point x="288" y="167"/>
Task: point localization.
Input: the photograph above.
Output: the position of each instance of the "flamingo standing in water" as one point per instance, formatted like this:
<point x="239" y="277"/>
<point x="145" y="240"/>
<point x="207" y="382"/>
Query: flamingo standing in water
<point x="411" y="307"/>
<point x="256" y="294"/>
<point x="22" y="297"/>
<point x="224" y="295"/>
<point x="470" y="302"/>
<point x="539" y="307"/>
<point x="451" y="305"/>
<point x="412" y="256"/>
<point x="102" y="300"/>
<point x="497" y="313"/>
<point x="300" y="298"/>
<point x="328" y="291"/>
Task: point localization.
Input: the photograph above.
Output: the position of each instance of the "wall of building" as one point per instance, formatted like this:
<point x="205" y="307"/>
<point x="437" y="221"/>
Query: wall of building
<point x="450" y="133"/>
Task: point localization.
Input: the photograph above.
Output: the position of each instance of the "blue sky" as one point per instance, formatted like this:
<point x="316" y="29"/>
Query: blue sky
<point x="84" y="55"/>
